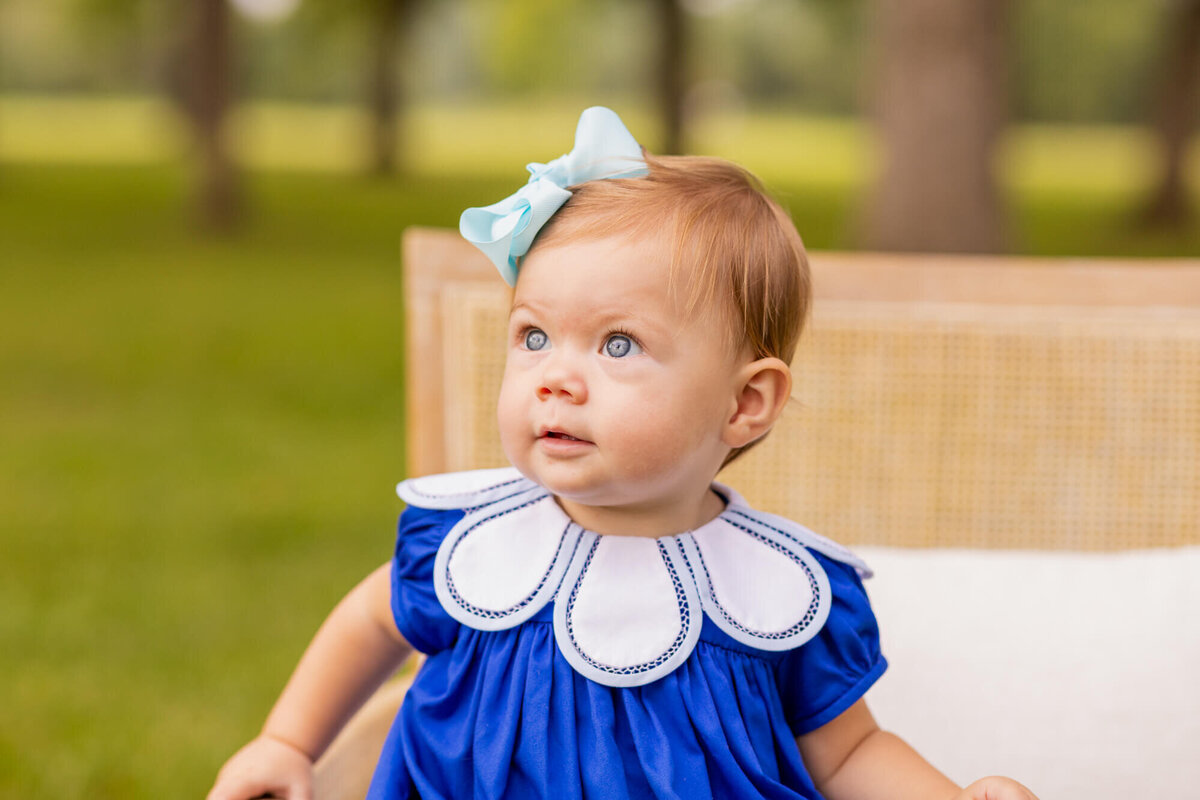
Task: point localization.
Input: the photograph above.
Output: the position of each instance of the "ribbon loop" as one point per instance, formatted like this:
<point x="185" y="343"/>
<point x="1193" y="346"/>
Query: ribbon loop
<point x="504" y="231"/>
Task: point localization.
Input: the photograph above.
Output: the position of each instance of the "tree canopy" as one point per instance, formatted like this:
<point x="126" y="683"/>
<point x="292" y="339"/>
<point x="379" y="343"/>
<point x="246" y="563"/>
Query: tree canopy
<point x="1071" y="62"/>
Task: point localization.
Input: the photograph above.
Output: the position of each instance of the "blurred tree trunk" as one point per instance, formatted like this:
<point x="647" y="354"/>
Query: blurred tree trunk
<point x="218" y="202"/>
<point x="390" y="18"/>
<point x="940" y="95"/>
<point x="1178" y="101"/>
<point x="174" y="63"/>
<point x="672" y="58"/>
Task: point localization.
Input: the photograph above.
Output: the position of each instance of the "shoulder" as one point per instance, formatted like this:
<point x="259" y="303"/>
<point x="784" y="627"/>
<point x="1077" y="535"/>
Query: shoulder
<point x="791" y="571"/>
<point x="462" y="490"/>
<point x="827" y="673"/>
<point x="436" y="505"/>
<point x="842" y="572"/>
<point x="825" y="550"/>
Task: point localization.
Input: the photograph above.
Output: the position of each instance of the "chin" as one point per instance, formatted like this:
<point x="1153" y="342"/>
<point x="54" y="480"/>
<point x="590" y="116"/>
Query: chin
<point x="580" y="489"/>
<point x="575" y="490"/>
<point x="549" y="479"/>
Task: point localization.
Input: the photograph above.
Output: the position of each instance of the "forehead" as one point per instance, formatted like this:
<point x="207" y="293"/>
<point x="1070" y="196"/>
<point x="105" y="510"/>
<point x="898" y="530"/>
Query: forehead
<point x="592" y="273"/>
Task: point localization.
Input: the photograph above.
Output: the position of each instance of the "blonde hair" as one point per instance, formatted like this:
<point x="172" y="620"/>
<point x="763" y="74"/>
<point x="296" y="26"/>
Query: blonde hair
<point x="734" y="247"/>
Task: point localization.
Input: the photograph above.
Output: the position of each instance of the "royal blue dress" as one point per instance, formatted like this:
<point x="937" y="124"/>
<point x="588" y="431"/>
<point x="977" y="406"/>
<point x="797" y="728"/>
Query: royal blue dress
<point x="503" y="713"/>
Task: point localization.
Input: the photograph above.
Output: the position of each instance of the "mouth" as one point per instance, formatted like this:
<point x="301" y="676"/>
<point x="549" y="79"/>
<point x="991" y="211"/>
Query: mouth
<point x="561" y="436"/>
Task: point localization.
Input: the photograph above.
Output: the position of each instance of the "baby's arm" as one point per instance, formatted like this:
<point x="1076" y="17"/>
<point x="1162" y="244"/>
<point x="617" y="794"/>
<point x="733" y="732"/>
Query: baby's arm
<point x="850" y="758"/>
<point x="354" y="651"/>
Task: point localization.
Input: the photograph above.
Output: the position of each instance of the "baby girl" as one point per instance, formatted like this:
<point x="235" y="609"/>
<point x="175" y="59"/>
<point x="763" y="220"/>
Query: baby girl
<point x="602" y="619"/>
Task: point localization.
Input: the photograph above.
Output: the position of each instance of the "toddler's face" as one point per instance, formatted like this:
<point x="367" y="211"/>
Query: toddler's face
<point x="612" y="395"/>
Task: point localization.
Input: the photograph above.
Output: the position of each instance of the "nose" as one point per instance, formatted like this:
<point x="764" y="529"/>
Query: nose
<point x="560" y="380"/>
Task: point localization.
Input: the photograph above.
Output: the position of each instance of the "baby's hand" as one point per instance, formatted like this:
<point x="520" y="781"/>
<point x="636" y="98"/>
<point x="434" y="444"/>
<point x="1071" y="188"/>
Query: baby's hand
<point x="995" y="789"/>
<point x="265" y="767"/>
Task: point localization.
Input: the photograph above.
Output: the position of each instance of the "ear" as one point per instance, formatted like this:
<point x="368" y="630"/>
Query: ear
<point x="762" y="389"/>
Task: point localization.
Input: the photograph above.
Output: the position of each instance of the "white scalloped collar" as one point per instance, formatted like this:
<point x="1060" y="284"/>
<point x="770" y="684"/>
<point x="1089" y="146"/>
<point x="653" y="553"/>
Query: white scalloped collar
<point x="627" y="609"/>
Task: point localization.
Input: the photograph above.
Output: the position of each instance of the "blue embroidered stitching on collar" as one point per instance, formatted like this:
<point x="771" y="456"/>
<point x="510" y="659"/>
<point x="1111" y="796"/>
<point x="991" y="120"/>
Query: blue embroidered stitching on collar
<point x="673" y="648"/>
<point x="804" y="621"/>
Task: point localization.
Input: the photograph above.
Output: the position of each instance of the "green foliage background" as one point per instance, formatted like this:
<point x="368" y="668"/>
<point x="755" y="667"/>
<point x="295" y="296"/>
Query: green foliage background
<point x="1071" y="61"/>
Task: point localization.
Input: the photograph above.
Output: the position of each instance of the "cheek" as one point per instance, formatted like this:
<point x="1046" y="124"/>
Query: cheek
<point x="657" y="429"/>
<point x="510" y="411"/>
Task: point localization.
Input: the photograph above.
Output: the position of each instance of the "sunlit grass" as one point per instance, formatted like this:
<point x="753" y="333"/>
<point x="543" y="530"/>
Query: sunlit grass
<point x="52" y="129"/>
<point x="199" y="441"/>
<point x="490" y="140"/>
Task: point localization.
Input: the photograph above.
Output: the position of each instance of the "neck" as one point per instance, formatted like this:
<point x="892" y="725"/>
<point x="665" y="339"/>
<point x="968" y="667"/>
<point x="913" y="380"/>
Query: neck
<point x="650" y="521"/>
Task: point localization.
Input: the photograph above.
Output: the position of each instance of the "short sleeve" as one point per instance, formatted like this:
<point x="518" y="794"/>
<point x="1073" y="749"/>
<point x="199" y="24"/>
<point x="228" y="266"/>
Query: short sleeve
<point x="419" y="616"/>
<point x="829" y="673"/>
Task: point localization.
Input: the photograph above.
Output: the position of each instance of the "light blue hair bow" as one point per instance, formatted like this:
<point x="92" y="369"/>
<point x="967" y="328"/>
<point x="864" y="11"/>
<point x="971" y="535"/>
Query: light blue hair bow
<point x="505" y="230"/>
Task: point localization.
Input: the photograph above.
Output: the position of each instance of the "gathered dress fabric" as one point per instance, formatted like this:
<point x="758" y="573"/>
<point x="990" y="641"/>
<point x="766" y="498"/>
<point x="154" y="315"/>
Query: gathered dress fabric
<point x="503" y="714"/>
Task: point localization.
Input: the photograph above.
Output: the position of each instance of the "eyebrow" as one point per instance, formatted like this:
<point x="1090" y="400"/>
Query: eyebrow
<point x="518" y="305"/>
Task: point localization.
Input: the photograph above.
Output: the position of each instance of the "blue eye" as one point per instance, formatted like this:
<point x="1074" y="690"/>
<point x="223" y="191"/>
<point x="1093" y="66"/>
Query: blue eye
<point x="536" y="339"/>
<point x="619" y="345"/>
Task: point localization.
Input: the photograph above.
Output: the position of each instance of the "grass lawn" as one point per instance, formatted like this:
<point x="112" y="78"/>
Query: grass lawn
<point x="198" y="438"/>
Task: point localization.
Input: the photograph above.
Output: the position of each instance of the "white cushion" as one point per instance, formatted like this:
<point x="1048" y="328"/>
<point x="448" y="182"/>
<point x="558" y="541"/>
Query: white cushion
<point x="1077" y="674"/>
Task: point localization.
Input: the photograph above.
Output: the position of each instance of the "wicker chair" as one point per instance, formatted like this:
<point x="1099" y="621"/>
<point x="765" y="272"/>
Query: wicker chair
<point x="966" y="404"/>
